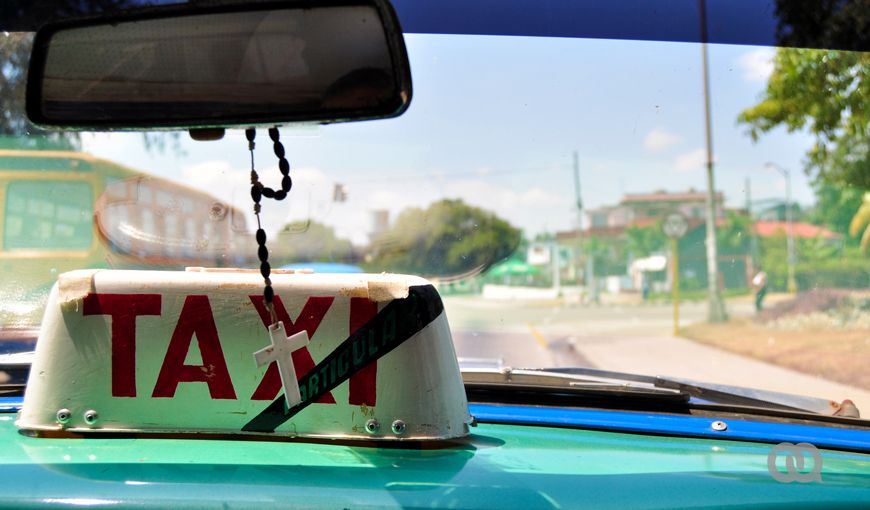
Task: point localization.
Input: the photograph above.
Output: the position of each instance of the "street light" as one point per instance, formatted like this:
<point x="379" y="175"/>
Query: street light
<point x="792" y="284"/>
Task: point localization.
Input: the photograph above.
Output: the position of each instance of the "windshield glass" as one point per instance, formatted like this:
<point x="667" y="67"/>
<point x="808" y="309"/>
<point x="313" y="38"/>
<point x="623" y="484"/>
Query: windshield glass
<point x="554" y="189"/>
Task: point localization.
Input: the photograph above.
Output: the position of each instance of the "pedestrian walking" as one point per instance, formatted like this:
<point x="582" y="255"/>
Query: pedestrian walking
<point x="759" y="283"/>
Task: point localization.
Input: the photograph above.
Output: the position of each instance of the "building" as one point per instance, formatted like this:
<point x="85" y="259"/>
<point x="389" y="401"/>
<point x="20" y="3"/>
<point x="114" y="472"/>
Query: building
<point x="800" y="230"/>
<point x="607" y="226"/>
<point x="774" y="209"/>
<point x="644" y="209"/>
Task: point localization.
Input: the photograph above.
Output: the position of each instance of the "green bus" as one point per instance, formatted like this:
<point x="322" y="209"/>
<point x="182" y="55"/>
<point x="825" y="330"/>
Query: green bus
<point x="96" y="214"/>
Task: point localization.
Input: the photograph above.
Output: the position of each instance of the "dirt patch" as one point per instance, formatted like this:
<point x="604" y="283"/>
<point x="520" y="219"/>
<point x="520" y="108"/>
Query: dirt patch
<point x="817" y="300"/>
<point x="840" y="354"/>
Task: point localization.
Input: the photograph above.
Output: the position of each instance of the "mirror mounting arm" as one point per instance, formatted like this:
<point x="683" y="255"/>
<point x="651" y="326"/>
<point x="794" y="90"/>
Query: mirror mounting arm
<point x="207" y="134"/>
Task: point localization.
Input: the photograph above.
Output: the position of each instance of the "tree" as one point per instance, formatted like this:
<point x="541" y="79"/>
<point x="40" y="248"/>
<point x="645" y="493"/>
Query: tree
<point x="836" y="206"/>
<point x="449" y="237"/>
<point x="644" y="241"/>
<point x="14" y="56"/>
<point x="861" y="222"/>
<point x="14" y="59"/>
<point x="836" y="24"/>
<point x="827" y="92"/>
<point x="734" y="236"/>
<point x="309" y="241"/>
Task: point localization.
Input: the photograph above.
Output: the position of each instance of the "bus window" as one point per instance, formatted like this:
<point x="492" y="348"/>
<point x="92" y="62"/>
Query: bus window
<point x="48" y="216"/>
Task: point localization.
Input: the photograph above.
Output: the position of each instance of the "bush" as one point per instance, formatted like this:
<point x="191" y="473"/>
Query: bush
<point x="836" y="273"/>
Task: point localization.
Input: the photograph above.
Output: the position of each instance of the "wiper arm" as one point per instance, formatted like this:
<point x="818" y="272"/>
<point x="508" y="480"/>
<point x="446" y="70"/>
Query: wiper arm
<point x="565" y="384"/>
<point x="14" y="370"/>
<point x="717" y="394"/>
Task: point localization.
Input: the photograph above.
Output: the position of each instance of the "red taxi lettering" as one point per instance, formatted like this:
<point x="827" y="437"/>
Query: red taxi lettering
<point x="123" y="308"/>
<point x="196" y="319"/>
<point x="309" y="320"/>
<point x="362" y="384"/>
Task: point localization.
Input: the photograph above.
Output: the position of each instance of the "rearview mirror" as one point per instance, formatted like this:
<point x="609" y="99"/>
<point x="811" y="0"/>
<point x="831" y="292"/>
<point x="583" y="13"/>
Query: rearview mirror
<point x="221" y="66"/>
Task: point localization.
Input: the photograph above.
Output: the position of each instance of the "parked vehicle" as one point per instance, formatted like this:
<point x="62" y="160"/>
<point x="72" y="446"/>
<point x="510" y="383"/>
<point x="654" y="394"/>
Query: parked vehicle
<point x="66" y="210"/>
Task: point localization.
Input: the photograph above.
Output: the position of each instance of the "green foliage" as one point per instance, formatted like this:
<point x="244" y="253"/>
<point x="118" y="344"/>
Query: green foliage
<point x="309" y="242"/>
<point x="836" y="205"/>
<point x="15" y="55"/>
<point x="644" y="241"/>
<point x="609" y="254"/>
<point x="828" y="93"/>
<point x="733" y="237"/>
<point x="698" y="293"/>
<point x="838" y="272"/>
<point x="843" y="24"/>
<point x="860" y="224"/>
<point x="820" y="263"/>
<point x="18" y="132"/>
<point x="448" y="238"/>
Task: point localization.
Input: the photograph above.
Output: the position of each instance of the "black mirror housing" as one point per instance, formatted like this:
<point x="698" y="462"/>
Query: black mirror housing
<point x="218" y="66"/>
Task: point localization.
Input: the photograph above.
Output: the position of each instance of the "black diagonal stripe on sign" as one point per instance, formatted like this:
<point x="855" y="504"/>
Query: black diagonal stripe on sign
<point x="398" y="321"/>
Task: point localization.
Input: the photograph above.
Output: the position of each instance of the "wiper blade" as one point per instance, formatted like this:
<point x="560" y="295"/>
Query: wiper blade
<point x="565" y="384"/>
<point x="14" y="371"/>
<point x="717" y="394"/>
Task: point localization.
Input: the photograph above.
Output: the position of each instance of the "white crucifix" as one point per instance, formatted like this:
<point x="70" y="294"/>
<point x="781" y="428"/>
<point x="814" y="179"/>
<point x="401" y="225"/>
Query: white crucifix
<point x="281" y="352"/>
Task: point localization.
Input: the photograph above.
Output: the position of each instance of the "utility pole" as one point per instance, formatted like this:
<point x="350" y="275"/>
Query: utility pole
<point x="791" y="258"/>
<point x="675" y="227"/>
<point x="716" y="307"/>
<point x="554" y="260"/>
<point x="589" y="273"/>
<point x="789" y="221"/>
<point x="753" y="238"/>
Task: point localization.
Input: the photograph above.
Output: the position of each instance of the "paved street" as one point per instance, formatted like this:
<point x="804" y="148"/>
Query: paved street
<point x="627" y="338"/>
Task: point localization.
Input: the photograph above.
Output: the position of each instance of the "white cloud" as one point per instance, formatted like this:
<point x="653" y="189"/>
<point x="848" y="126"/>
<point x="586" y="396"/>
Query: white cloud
<point x="659" y="139"/>
<point x="690" y="161"/>
<point x="532" y="209"/>
<point x="756" y="65"/>
<point x="493" y="197"/>
<point x="111" y="146"/>
<point x="219" y="179"/>
<point x="309" y="198"/>
<point x="779" y="184"/>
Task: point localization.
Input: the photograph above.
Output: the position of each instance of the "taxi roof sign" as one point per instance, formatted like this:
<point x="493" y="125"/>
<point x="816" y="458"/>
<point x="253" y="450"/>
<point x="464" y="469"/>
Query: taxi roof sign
<point x="149" y="351"/>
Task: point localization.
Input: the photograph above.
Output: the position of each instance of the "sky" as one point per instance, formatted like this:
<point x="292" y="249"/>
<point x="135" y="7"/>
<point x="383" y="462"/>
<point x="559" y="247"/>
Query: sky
<point x="494" y="120"/>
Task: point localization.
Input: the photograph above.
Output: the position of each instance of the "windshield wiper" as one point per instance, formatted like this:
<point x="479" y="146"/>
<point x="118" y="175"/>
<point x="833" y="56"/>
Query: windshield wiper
<point x="14" y="370"/>
<point x="544" y="386"/>
<point x="487" y="381"/>
<point x="699" y="393"/>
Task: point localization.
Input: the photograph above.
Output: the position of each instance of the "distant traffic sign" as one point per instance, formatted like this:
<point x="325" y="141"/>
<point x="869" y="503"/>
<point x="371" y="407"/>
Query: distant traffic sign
<point x="675" y="225"/>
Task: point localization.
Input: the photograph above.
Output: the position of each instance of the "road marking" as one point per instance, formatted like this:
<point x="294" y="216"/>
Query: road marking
<point x="538" y="336"/>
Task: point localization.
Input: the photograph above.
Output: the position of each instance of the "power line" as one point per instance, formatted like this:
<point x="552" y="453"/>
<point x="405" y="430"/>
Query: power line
<point x="465" y="173"/>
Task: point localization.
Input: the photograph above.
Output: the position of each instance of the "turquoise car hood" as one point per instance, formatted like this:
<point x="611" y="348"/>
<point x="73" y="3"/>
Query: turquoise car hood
<point x="499" y="466"/>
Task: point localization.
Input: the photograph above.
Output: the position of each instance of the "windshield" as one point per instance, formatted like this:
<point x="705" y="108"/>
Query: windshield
<point x="557" y="191"/>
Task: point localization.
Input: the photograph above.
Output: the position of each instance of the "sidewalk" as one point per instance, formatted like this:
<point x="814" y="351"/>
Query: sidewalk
<point x="681" y="358"/>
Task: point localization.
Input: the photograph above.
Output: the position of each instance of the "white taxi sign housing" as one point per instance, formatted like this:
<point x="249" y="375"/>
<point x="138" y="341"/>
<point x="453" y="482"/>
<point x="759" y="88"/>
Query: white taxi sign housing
<point x="149" y="351"/>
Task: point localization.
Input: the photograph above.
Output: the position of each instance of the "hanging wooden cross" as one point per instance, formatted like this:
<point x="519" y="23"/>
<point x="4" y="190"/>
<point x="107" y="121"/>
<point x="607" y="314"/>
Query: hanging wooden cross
<point x="281" y="352"/>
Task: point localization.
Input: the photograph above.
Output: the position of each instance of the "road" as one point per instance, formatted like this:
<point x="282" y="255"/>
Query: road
<point x="552" y="333"/>
<point x="540" y="333"/>
<point x="626" y="338"/>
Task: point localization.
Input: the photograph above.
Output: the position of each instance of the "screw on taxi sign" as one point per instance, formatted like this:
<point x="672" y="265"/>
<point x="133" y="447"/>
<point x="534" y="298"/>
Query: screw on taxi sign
<point x="675" y="225"/>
